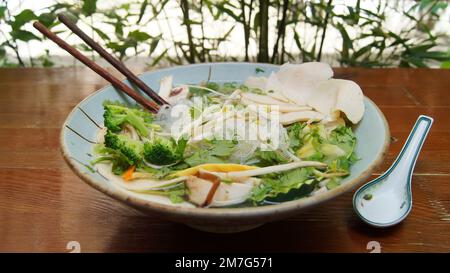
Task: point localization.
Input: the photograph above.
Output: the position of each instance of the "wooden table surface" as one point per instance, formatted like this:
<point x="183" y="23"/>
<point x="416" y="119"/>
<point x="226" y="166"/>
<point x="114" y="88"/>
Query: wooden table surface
<point x="43" y="205"/>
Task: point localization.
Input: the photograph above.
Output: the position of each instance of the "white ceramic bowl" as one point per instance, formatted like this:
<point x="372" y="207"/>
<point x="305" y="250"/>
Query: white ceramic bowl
<point x="80" y="129"/>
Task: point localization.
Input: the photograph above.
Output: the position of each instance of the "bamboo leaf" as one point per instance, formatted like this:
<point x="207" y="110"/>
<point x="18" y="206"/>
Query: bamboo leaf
<point x="142" y="11"/>
<point x="24" y="35"/>
<point x="89" y="7"/>
<point x="47" y="19"/>
<point x="154" y="43"/>
<point x="362" y="51"/>
<point x="158" y="59"/>
<point x="139" y="36"/>
<point x="101" y="34"/>
<point x="2" y="12"/>
<point x="417" y="62"/>
<point x="2" y="52"/>
<point x="22" y="18"/>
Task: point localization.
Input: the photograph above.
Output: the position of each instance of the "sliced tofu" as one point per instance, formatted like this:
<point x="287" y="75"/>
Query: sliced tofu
<point x="204" y="192"/>
<point x="231" y="194"/>
<point x="198" y="190"/>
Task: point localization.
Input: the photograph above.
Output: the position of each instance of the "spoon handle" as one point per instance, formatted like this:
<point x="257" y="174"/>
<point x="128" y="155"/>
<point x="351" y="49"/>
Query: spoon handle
<point x="407" y="158"/>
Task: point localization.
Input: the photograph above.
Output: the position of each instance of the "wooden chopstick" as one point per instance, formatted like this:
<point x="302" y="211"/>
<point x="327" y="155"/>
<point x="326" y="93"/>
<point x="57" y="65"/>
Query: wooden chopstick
<point x="111" y="59"/>
<point x="150" y="105"/>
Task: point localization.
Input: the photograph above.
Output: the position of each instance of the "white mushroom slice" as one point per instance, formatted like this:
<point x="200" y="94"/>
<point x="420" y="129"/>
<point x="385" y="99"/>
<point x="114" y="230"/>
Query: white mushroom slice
<point x="287" y="108"/>
<point x="274" y="88"/>
<point x="339" y="95"/>
<point x="299" y="80"/>
<point x="292" y="117"/>
<point x="165" y="86"/>
<point x="282" y="107"/>
<point x="177" y="94"/>
<point x="261" y="99"/>
<point x="276" y="168"/>
<point x="270" y="85"/>
<point x="256" y="82"/>
<point x="350" y="100"/>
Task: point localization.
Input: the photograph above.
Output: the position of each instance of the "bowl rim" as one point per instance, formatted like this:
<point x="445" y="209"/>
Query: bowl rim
<point x="223" y="213"/>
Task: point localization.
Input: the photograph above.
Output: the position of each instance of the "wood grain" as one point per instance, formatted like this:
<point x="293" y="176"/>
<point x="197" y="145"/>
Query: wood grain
<point x="43" y="205"/>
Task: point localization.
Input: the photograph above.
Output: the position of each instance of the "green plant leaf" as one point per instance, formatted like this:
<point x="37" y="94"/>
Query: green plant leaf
<point x="158" y="58"/>
<point x="415" y="61"/>
<point x="24" y="35"/>
<point x="100" y="33"/>
<point x="118" y="28"/>
<point x="142" y="11"/>
<point x="22" y="18"/>
<point x="2" y="52"/>
<point x="89" y="7"/>
<point x="445" y="65"/>
<point x="139" y="36"/>
<point x="2" y="12"/>
<point x="421" y="48"/>
<point x="154" y="43"/>
<point x="47" y="19"/>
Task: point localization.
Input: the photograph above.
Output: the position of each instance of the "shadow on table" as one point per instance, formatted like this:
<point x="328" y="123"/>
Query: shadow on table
<point x="318" y="230"/>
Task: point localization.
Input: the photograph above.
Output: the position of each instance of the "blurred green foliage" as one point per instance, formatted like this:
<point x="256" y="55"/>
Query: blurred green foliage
<point x="366" y="40"/>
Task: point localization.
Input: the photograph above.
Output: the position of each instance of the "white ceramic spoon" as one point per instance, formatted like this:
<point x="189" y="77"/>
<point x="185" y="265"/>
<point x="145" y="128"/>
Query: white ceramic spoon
<point x="387" y="200"/>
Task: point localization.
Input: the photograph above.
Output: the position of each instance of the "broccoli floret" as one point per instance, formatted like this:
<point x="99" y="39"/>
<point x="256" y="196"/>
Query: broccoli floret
<point x="130" y="148"/>
<point x="116" y="114"/>
<point x="162" y="151"/>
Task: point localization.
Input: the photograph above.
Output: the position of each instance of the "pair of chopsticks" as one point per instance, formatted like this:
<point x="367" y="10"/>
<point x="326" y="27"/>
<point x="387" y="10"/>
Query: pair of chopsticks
<point x="152" y="105"/>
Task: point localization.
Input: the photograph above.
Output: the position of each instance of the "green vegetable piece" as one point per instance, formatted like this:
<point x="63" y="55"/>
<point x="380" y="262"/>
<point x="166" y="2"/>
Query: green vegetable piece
<point x="270" y="158"/>
<point x="120" y="163"/>
<point x="222" y="147"/>
<point x="162" y="151"/>
<point x="367" y="196"/>
<point x="286" y="186"/>
<point x="294" y="193"/>
<point x="131" y="149"/>
<point x="117" y="114"/>
<point x="334" y="182"/>
<point x="202" y="157"/>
